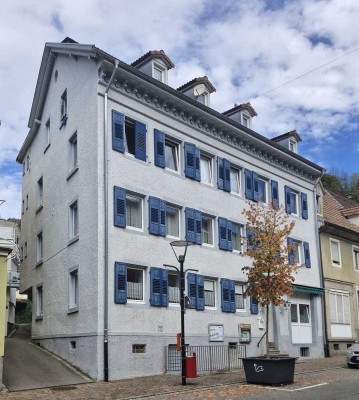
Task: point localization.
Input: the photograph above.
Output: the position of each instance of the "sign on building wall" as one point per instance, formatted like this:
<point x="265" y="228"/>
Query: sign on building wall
<point x="215" y="333"/>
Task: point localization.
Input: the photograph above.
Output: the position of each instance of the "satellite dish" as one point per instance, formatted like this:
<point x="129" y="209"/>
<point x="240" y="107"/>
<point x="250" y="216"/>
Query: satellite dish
<point x="199" y="89"/>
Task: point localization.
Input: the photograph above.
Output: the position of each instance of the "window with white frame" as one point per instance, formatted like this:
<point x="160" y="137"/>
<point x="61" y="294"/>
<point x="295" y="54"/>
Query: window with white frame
<point x="297" y="252"/>
<point x="135" y="284"/>
<point x="63" y="108"/>
<point x="173" y="288"/>
<point x="239" y="297"/>
<point x="159" y="72"/>
<point x="40" y="192"/>
<point x="209" y="293"/>
<point x="262" y="190"/>
<point x="246" y="120"/>
<point x="48" y="132"/>
<point x="294" y="202"/>
<point x="134" y="211"/>
<point x="207" y="229"/>
<point x="39" y="247"/>
<point x="206" y="169"/>
<point x="73" y="161"/>
<point x="73" y="289"/>
<point x="356" y="258"/>
<point x="74" y="220"/>
<point x="171" y="155"/>
<point x="237" y="235"/>
<point x="235" y="180"/>
<point x="293" y="146"/>
<point x="172" y="221"/>
<point x="39" y="301"/>
<point x="335" y="252"/>
<point x="339" y="308"/>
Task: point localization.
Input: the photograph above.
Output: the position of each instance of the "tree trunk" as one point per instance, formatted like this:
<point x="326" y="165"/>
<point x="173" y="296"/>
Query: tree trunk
<point x="267" y="328"/>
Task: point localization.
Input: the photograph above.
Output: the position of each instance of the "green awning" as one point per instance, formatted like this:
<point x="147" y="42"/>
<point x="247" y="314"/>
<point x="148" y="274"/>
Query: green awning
<point x="307" y="289"/>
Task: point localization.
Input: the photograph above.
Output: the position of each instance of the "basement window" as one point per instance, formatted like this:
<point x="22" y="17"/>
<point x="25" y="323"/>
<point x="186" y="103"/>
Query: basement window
<point x="304" y="351"/>
<point x="138" y="348"/>
<point x="72" y="345"/>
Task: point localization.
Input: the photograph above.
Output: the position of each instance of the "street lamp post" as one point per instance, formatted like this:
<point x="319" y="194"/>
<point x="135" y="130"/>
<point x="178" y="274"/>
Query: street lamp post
<point x="181" y="258"/>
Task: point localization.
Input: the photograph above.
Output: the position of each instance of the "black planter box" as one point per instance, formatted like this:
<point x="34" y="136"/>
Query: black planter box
<point x="269" y="371"/>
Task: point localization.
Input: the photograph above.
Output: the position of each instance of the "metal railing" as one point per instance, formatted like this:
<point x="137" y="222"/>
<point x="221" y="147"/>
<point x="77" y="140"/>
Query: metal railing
<point x="209" y="358"/>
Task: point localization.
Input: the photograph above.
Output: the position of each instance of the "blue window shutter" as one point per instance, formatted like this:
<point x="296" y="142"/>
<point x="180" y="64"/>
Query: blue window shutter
<point x="291" y="252"/>
<point x="227" y="175"/>
<point x="198" y="164"/>
<point x="304" y="205"/>
<point x="190" y="215"/>
<point x="249" y="184"/>
<point x="159" y="148"/>
<point x="190" y="160"/>
<point x="287" y="195"/>
<point x="232" y="294"/>
<point x="164" y="283"/>
<point x="306" y="255"/>
<point x="192" y="289"/>
<point x="226" y="296"/>
<point x="155" y="286"/>
<point x="140" y="141"/>
<point x="162" y="218"/>
<point x="275" y="194"/>
<point x="254" y="306"/>
<point x="229" y="236"/>
<point x="154" y="215"/>
<point x="120" y="283"/>
<point x="119" y="206"/>
<point x="222" y="233"/>
<point x="255" y="187"/>
<point x="118" y="131"/>
<point x="200" y="292"/>
<point x="220" y="173"/>
<point x="198" y="227"/>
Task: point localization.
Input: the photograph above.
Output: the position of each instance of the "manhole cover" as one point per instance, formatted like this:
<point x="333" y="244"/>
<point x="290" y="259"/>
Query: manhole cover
<point x="63" y="388"/>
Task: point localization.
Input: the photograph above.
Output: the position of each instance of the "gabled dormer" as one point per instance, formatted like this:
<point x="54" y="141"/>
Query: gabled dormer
<point x="156" y="64"/>
<point x="242" y="113"/>
<point x="289" y="140"/>
<point x="198" y="89"/>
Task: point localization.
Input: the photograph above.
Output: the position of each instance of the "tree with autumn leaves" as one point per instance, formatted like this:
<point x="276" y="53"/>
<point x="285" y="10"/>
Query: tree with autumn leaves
<point x="270" y="276"/>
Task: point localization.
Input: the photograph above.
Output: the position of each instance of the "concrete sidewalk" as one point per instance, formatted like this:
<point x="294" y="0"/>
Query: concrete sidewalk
<point x="155" y="385"/>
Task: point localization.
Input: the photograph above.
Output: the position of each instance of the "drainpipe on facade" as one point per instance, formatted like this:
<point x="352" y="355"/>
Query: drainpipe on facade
<point x="105" y="143"/>
<point x="319" y="249"/>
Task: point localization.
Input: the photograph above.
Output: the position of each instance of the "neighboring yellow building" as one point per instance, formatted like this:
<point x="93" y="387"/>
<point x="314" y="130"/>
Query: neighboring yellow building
<point x="5" y="249"/>
<point x="339" y="238"/>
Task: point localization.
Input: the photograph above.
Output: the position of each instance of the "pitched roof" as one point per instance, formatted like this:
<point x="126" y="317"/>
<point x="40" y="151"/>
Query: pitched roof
<point x="292" y="133"/>
<point x="345" y="201"/>
<point x="241" y="107"/>
<point x="195" y="81"/>
<point x="332" y="213"/>
<point x="153" y="54"/>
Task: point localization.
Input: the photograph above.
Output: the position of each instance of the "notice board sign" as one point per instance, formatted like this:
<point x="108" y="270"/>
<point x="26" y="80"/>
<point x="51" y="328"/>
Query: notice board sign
<point x="215" y="333"/>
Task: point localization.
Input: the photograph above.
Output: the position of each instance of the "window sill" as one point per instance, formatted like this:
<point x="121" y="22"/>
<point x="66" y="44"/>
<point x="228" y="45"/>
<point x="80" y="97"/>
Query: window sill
<point x="39" y="318"/>
<point x="336" y="265"/>
<point x="133" y="228"/>
<point x="48" y="145"/>
<point x="39" y="209"/>
<point x="73" y="240"/>
<point x="71" y="173"/>
<point x="208" y="185"/>
<point x="130" y="156"/>
<point x="73" y="310"/>
<point x="135" y="301"/>
<point x="40" y="262"/>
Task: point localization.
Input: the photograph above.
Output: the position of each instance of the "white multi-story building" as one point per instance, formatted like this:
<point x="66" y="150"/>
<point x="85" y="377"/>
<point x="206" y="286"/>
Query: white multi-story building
<point x="116" y="165"/>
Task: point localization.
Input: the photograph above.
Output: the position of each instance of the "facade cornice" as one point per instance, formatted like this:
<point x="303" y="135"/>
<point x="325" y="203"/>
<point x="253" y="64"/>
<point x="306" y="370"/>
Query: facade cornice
<point x="339" y="231"/>
<point x="212" y="123"/>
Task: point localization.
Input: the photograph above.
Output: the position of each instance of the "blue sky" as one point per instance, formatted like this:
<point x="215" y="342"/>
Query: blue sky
<point x="246" y="48"/>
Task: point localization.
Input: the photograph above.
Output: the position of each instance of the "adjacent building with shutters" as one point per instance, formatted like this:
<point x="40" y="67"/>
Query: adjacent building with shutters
<point x="116" y="165"/>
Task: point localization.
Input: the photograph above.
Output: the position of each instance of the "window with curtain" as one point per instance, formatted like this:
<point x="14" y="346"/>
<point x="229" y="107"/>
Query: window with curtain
<point x="206" y="169"/>
<point x="172" y="221"/>
<point x="133" y="211"/>
<point x="339" y="308"/>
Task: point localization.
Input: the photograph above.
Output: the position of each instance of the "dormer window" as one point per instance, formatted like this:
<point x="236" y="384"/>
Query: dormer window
<point x="198" y="89"/>
<point x="242" y="113"/>
<point x="245" y="120"/>
<point x="293" y="146"/>
<point x="159" y="72"/>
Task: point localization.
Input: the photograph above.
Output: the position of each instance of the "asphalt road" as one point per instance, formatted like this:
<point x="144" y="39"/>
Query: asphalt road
<point x="28" y="367"/>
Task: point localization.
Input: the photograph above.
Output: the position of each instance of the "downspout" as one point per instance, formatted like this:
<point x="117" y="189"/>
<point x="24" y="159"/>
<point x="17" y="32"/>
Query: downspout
<point x="105" y="165"/>
<point x="321" y="275"/>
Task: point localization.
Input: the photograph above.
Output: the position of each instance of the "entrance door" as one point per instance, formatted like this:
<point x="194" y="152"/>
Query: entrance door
<point x="301" y="319"/>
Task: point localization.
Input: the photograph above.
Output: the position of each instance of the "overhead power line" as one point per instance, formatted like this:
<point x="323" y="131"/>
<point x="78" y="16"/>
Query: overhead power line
<point x="305" y="74"/>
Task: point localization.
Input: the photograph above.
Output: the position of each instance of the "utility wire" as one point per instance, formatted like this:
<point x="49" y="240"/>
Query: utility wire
<point x="306" y="73"/>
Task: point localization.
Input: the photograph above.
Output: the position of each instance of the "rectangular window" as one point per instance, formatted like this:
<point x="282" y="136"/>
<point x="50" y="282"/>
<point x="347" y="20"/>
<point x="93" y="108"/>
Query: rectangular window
<point x="135" y="138"/>
<point x="73" y="161"/>
<point x="297" y="251"/>
<point x="134" y="211"/>
<point x="245" y="121"/>
<point x="40" y="192"/>
<point x="262" y="190"/>
<point x="25" y="249"/>
<point x="134" y="284"/>
<point x="206" y="169"/>
<point x="291" y="201"/>
<point x="74" y="220"/>
<point x="207" y="230"/>
<point x="304" y="316"/>
<point x="356" y="258"/>
<point x="235" y="181"/>
<point x="173" y="289"/>
<point x="172" y="221"/>
<point x="39" y="301"/>
<point x="63" y="110"/>
<point x="39" y="247"/>
<point x="339" y="308"/>
<point x="74" y="289"/>
<point x="171" y="155"/>
<point x="209" y="293"/>
<point x="237" y="235"/>
<point x="48" y="132"/>
<point x="335" y="252"/>
<point x="239" y="295"/>
<point x="27" y="201"/>
<point x="28" y="162"/>
<point x="138" y="348"/>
